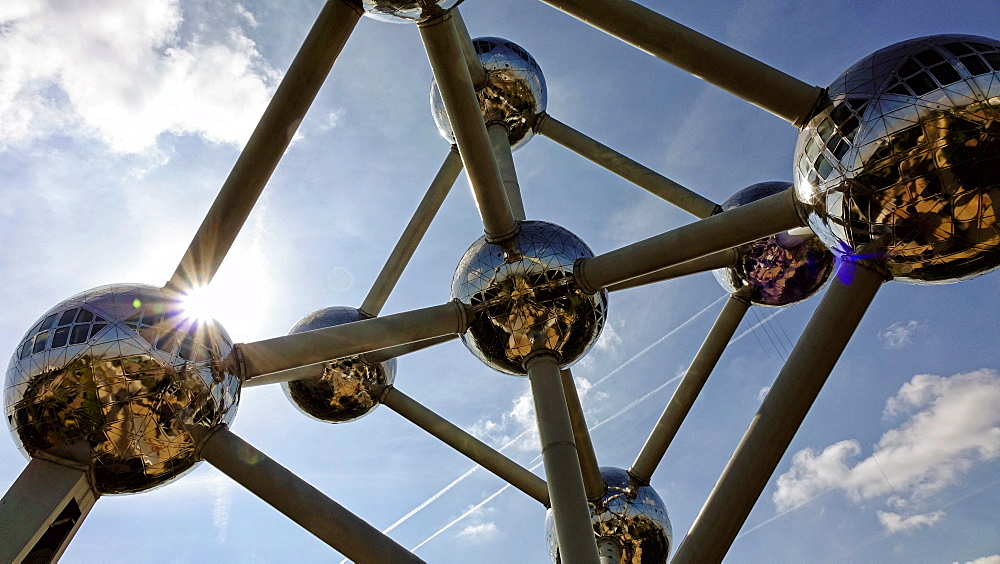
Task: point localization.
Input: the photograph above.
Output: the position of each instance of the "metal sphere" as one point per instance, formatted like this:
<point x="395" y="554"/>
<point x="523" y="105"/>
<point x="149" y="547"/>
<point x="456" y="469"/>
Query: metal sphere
<point x="349" y="387"/>
<point x="904" y="164"/>
<point x="523" y="288"/>
<point x="513" y="95"/>
<point x="405" y="11"/>
<point x="780" y="270"/>
<point x="630" y="521"/>
<point x="114" y="378"/>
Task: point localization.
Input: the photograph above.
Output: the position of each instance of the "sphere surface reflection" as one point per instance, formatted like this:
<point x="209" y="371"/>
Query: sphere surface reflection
<point x="349" y="387"/>
<point x="779" y="270"/>
<point x="404" y="11"/>
<point x="629" y="515"/>
<point x="513" y="95"/>
<point x="522" y="288"/>
<point x="904" y="164"/>
<point x="114" y="378"/>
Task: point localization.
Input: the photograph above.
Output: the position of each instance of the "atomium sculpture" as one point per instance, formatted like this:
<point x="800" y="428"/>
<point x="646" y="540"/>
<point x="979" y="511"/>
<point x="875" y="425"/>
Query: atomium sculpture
<point x="118" y="390"/>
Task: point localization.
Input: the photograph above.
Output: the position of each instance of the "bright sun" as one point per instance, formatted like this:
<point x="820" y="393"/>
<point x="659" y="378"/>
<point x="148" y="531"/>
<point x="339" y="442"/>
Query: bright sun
<point x="201" y="303"/>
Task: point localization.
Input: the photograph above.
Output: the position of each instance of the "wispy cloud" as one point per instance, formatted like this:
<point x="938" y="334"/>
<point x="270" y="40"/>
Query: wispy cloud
<point x="894" y="523"/>
<point x="899" y="334"/>
<point x="479" y="531"/>
<point x="952" y="424"/>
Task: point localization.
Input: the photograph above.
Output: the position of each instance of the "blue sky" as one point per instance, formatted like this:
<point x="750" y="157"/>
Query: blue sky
<point x="119" y="121"/>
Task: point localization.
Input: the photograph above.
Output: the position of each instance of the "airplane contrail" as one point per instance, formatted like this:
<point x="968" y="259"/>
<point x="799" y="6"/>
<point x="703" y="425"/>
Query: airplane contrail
<point x="470" y="511"/>
<point x="458" y="480"/>
<point x="783" y="513"/>
<point x="756" y="325"/>
<point x="658" y="341"/>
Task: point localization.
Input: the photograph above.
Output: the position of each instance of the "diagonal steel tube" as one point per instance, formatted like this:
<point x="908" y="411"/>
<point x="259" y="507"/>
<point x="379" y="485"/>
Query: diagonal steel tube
<point x="42" y="511"/>
<point x="412" y="234"/>
<point x="268" y="142"/>
<point x="500" y="142"/>
<point x="720" y="259"/>
<point x="780" y="415"/>
<point x="687" y="391"/>
<point x="722" y="231"/>
<point x="643" y="177"/>
<point x="299" y="501"/>
<point x="360" y="337"/>
<point x="480" y="453"/>
<point x="766" y="87"/>
<point x="593" y="483"/>
<point x="477" y="72"/>
<point x="574" y="530"/>
<point x="445" y="52"/>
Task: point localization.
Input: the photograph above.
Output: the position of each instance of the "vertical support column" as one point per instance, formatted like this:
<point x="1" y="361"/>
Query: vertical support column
<point x="505" y="161"/>
<point x="781" y="414"/>
<point x="299" y="501"/>
<point x="567" y="494"/>
<point x="447" y="58"/>
<point x="42" y="511"/>
<point x="689" y="388"/>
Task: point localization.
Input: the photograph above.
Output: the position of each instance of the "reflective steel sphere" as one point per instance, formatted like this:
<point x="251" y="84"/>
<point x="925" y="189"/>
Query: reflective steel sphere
<point x="404" y="11"/>
<point x="514" y="93"/>
<point x="349" y="388"/>
<point x="779" y="270"/>
<point x="523" y="288"/>
<point x="904" y="164"/>
<point x="114" y="378"/>
<point x="629" y="521"/>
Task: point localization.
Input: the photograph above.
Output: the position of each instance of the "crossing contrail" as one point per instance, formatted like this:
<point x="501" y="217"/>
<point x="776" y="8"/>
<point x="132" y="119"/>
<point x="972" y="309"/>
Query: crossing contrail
<point x="669" y="334"/>
<point x="461" y="478"/>
<point x="756" y="325"/>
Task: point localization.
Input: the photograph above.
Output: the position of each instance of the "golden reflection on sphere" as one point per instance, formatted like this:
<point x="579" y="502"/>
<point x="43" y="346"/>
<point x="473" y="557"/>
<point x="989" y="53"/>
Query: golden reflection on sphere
<point x="514" y="93"/>
<point x="629" y="515"/>
<point x="779" y="270"/>
<point x="349" y="387"/>
<point x="523" y="289"/>
<point x="904" y="164"/>
<point x="114" y="378"/>
<point x="406" y="11"/>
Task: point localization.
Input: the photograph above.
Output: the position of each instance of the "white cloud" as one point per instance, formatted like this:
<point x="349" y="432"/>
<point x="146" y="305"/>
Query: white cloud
<point x="762" y="393"/>
<point x="69" y="69"/>
<point x="894" y="523"/>
<point x="952" y="424"/>
<point x="609" y="341"/>
<point x="995" y="559"/>
<point x="479" y="531"/>
<point x="899" y="334"/>
<point x="515" y="429"/>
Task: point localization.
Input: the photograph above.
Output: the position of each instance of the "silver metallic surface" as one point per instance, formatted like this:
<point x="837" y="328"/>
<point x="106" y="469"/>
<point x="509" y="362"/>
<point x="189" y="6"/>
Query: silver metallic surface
<point x="630" y="515"/>
<point x="113" y="378"/>
<point x="513" y="95"/>
<point x="906" y="159"/>
<point x="404" y="11"/>
<point x="525" y="286"/>
<point x="779" y="270"/>
<point x="349" y="387"/>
